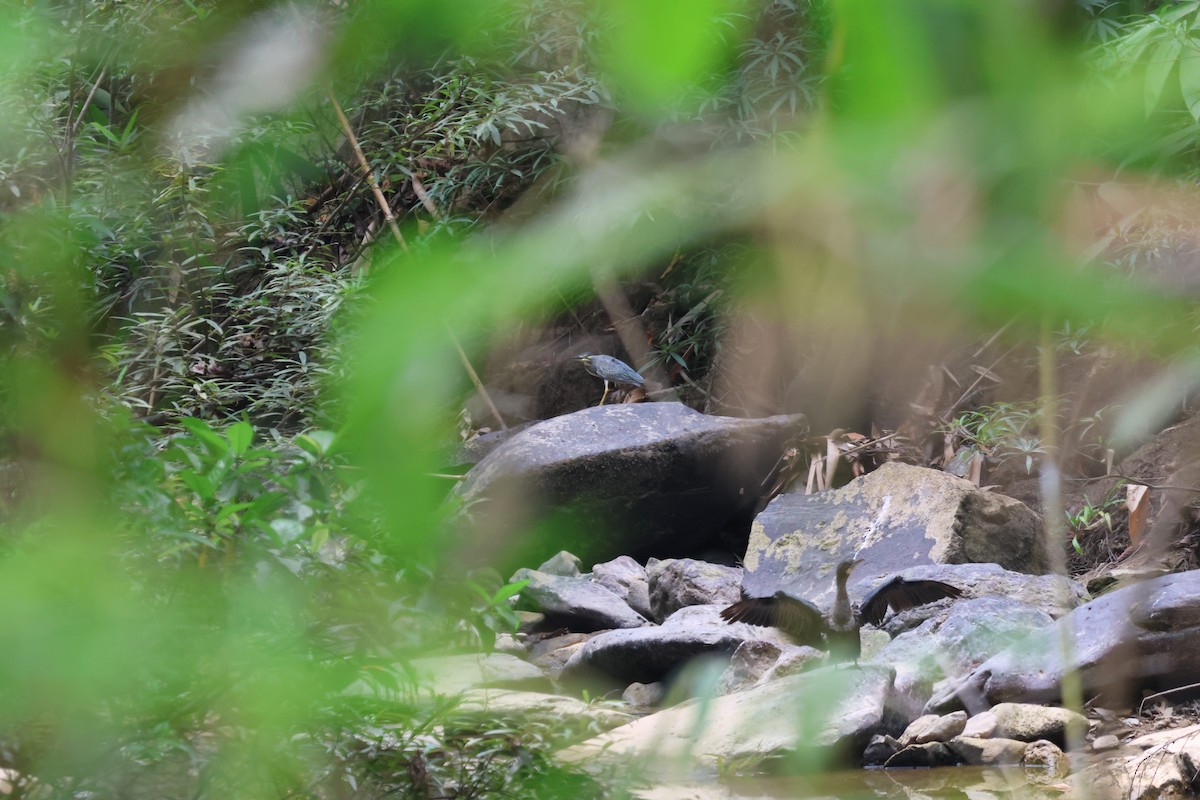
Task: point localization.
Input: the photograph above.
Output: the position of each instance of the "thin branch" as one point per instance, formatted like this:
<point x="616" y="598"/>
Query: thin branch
<point x="395" y="228"/>
<point x="367" y="173"/>
<point x="87" y="101"/>
<point x="487" y="398"/>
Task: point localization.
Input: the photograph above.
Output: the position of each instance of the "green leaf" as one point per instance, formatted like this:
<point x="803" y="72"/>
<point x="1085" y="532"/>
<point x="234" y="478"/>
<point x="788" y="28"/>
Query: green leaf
<point x="1162" y="60"/>
<point x="479" y="590"/>
<point x="229" y="509"/>
<point x="319" y="537"/>
<point x="204" y="433"/>
<point x="1189" y="77"/>
<point x="507" y="591"/>
<point x="240" y="435"/>
<point x="200" y="484"/>
<point x="315" y="443"/>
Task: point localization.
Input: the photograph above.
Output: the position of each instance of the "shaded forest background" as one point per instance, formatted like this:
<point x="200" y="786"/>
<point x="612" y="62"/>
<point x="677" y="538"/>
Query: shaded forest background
<point x="242" y="244"/>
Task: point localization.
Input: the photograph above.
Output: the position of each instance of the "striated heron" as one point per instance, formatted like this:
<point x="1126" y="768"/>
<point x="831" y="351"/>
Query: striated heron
<point x="609" y="370"/>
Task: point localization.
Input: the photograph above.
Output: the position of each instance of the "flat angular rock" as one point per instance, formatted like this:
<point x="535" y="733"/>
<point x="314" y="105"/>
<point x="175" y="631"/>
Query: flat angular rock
<point x="651" y="653"/>
<point x="830" y="711"/>
<point x="450" y="676"/>
<point x="1053" y="595"/>
<point x="644" y="695"/>
<point x="896" y="517"/>
<point x="934" y="728"/>
<point x="577" y="603"/>
<point x="520" y="709"/>
<point x="987" y="752"/>
<point x="679" y="582"/>
<point x="641" y="479"/>
<point x="561" y="563"/>
<point x="1027" y="722"/>
<point x="983" y="725"/>
<point x="1138" y="637"/>
<point x="750" y="661"/>
<point x="627" y="579"/>
<point x="879" y="750"/>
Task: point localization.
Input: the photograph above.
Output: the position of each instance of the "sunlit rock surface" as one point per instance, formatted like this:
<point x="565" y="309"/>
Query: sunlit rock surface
<point x="895" y="518"/>
<point x="823" y="714"/>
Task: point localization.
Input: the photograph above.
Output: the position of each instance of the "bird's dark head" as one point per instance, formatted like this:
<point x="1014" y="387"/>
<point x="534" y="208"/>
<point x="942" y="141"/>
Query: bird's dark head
<point x="846" y="567"/>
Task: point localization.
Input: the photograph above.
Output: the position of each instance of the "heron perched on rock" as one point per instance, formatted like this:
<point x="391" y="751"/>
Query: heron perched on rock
<point x="609" y="370"/>
<point x="837" y="631"/>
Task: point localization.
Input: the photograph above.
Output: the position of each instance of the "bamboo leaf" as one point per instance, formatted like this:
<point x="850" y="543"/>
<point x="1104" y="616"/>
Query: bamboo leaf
<point x="1162" y="60"/>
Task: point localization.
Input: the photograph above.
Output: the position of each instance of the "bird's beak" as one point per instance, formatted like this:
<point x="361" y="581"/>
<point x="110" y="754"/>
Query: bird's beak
<point x="854" y="563"/>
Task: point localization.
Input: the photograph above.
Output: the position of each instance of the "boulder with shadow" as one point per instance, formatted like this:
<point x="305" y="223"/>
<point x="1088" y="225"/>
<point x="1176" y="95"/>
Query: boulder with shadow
<point x="645" y="479"/>
<point x="656" y="651"/>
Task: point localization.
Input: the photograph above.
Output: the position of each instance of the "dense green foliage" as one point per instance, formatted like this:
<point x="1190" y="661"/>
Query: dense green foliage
<point x="227" y="380"/>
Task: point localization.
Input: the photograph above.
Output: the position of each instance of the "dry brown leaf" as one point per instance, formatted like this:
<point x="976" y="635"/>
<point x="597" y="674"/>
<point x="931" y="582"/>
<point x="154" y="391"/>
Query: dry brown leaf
<point x="987" y="373"/>
<point x="946" y="371"/>
<point x="832" y="456"/>
<point x="975" y="476"/>
<point x="1137" y="500"/>
<point x="814" y="471"/>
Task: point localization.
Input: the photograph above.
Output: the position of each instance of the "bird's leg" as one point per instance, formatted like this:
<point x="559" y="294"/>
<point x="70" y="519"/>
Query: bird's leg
<point x="605" y="395"/>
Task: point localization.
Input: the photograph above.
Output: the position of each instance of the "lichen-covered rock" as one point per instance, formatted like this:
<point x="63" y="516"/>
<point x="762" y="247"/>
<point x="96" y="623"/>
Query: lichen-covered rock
<point x="1028" y="722"/>
<point x="896" y="517"/>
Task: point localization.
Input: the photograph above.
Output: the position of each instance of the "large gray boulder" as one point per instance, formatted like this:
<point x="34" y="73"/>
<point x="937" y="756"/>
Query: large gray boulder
<point x="827" y="712"/>
<point x="651" y="653"/>
<point x="577" y="603"/>
<point x="950" y="645"/>
<point x="643" y="479"/>
<point x="897" y="517"/>
<point x="1142" y="636"/>
<point x="1054" y="595"/>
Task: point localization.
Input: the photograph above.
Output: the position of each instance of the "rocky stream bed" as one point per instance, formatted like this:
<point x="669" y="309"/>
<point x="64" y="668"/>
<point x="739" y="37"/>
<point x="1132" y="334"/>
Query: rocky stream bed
<point x="976" y="680"/>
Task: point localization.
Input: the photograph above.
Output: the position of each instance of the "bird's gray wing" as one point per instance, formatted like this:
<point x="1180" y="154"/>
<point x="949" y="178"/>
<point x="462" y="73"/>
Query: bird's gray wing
<point x="901" y="595"/>
<point x="798" y="618"/>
